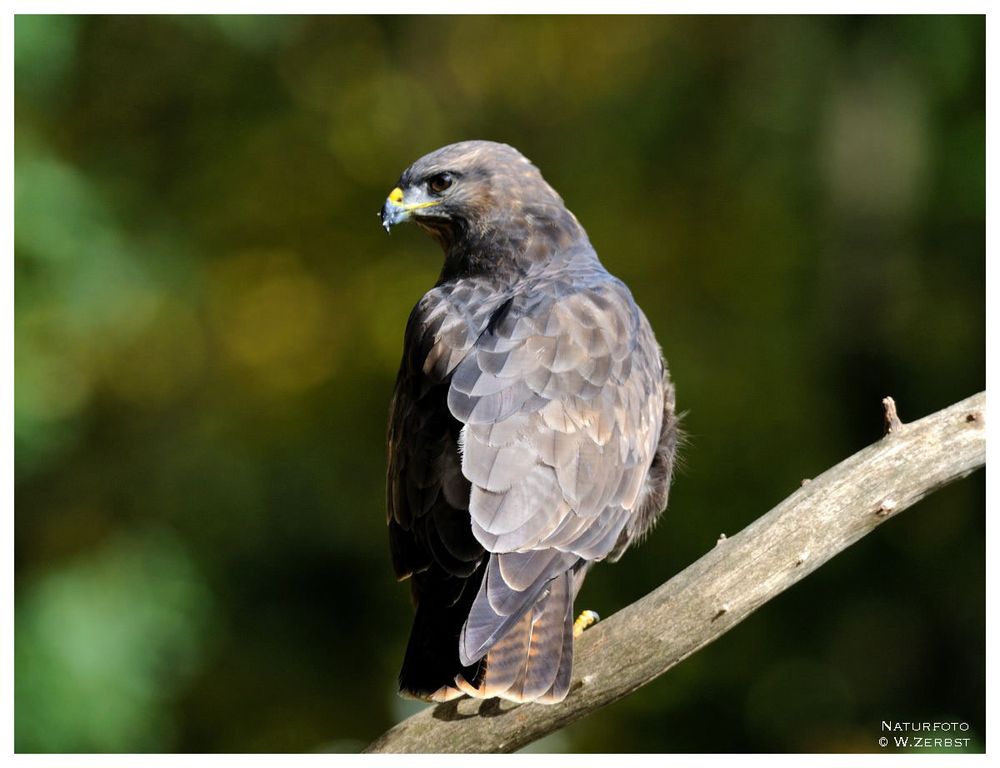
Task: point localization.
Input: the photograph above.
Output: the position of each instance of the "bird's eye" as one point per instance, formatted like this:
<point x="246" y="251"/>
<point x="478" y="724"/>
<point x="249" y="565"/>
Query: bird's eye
<point x="439" y="183"/>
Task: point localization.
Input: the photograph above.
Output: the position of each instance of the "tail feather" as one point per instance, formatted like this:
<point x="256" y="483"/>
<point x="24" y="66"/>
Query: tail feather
<point x="534" y="658"/>
<point x="545" y="655"/>
<point x="560" y="686"/>
<point x="499" y="605"/>
<point x="506" y="661"/>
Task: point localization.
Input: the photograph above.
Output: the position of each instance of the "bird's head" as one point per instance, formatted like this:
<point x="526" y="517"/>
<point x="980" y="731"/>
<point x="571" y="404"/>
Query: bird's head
<point x="469" y="192"/>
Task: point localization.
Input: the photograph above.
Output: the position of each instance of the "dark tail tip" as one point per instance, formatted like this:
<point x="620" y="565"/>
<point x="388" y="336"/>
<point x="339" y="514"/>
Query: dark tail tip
<point x="431" y="661"/>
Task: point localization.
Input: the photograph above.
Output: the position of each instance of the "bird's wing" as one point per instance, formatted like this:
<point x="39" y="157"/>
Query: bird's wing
<point x="427" y="494"/>
<point x="561" y="400"/>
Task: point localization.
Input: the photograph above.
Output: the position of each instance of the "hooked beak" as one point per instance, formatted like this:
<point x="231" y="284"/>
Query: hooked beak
<point x="397" y="210"/>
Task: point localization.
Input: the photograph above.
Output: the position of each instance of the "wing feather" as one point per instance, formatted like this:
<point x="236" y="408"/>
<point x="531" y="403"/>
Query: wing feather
<point x="559" y="397"/>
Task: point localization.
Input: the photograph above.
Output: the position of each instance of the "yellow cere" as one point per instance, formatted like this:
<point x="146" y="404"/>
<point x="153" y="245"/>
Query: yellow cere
<point x="396" y="198"/>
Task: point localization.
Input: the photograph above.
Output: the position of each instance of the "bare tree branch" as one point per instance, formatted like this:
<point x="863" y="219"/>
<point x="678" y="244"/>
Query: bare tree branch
<point x="727" y="584"/>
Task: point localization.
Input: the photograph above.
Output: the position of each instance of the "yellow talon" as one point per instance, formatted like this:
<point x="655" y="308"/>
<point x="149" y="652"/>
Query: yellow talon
<point x="585" y="620"/>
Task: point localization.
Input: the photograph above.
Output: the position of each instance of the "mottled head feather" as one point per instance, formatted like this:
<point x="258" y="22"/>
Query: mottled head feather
<point x="497" y="214"/>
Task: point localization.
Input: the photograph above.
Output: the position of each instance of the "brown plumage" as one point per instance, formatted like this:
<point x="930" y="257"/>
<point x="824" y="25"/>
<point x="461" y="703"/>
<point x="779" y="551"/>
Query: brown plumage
<point x="531" y="433"/>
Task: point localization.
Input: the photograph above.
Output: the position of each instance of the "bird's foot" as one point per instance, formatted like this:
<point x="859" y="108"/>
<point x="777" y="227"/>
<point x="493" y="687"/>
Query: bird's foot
<point x="585" y="620"/>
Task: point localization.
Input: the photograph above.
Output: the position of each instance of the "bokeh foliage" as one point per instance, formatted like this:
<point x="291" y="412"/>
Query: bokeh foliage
<point x="208" y="321"/>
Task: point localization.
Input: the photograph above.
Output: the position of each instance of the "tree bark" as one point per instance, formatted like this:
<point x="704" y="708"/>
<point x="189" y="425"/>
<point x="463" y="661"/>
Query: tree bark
<point x="712" y="595"/>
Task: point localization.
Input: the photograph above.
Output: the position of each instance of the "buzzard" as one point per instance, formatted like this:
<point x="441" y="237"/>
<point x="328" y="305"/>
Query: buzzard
<point x="531" y="433"/>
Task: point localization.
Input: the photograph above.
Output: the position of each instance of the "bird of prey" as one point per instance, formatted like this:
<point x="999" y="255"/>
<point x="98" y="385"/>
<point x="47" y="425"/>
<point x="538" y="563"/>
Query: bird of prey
<point x="531" y="434"/>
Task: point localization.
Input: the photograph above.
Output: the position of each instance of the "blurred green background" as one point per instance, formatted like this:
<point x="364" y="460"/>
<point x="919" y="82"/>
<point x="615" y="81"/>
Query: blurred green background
<point x="209" y="319"/>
